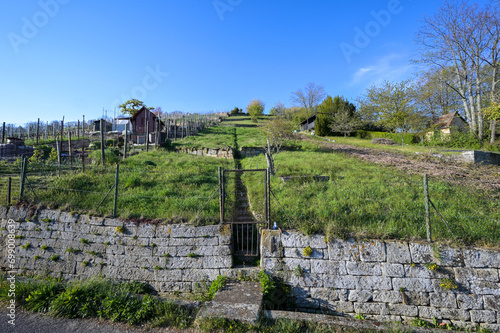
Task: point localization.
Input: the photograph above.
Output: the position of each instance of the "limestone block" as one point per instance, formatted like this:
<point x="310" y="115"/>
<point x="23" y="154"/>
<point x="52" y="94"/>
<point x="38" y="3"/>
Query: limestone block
<point x="272" y="264"/>
<point x="3" y="214"/>
<point x="17" y="213"/>
<point x="479" y="287"/>
<point x="360" y="296"/>
<point x="403" y="310"/>
<point x="413" y="284"/>
<point x="393" y="270"/>
<point x="482" y="258"/>
<point x="50" y="215"/>
<point x="110" y="222"/>
<point x="387" y="296"/>
<point x="92" y="220"/>
<point x="292" y="263"/>
<point x="197" y="275"/>
<point x="168" y="287"/>
<point x="453" y="257"/>
<point x="455" y="314"/>
<point x="318" y="242"/>
<point x="217" y="262"/>
<point x="421" y="253"/>
<point x="373" y="251"/>
<point x="371" y="308"/>
<point x="341" y="307"/>
<point x="146" y="230"/>
<point x="181" y="230"/>
<point x="142" y="251"/>
<point x="163" y="231"/>
<point x="470" y="301"/>
<point x="325" y="294"/>
<point x="490" y="327"/>
<point x="483" y="316"/>
<point x="363" y="268"/>
<point x="341" y="282"/>
<point x="422" y="272"/>
<point x="443" y="300"/>
<point x="206" y="241"/>
<point x="374" y="283"/>
<point x="319" y="266"/>
<point x="339" y="250"/>
<point x="492" y="303"/>
<point x="25" y="226"/>
<point x="293" y="252"/>
<point x="429" y="312"/>
<point x="294" y="240"/>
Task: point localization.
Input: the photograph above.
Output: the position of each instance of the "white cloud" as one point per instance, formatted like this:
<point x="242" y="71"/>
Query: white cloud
<point x="393" y="67"/>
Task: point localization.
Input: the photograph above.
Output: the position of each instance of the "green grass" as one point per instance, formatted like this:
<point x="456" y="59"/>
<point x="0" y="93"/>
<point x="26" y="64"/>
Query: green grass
<point x="172" y="186"/>
<point x="370" y="201"/>
<point x="128" y="302"/>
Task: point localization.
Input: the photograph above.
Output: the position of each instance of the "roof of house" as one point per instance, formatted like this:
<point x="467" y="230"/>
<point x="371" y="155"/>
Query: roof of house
<point x="444" y="121"/>
<point x="308" y="120"/>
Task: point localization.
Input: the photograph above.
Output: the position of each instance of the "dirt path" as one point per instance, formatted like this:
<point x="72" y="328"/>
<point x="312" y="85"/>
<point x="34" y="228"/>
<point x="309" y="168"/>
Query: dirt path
<point x="484" y="177"/>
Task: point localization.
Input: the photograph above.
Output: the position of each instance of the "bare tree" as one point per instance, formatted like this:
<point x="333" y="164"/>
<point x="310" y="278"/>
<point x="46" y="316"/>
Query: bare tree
<point x="309" y="97"/>
<point x="277" y="131"/>
<point x="460" y="36"/>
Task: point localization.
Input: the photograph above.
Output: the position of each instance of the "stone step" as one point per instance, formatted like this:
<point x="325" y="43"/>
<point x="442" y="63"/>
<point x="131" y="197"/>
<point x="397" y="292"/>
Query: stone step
<point x="240" y="300"/>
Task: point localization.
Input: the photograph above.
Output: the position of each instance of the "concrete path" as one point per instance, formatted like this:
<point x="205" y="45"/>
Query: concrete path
<point x="241" y="300"/>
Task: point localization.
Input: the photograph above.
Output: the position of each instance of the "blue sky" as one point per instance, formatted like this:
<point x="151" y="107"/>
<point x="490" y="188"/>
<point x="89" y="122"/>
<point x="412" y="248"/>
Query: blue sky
<point x="73" y="57"/>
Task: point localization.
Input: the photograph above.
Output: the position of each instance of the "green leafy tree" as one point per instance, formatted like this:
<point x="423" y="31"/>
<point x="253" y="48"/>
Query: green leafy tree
<point x="327" y="111"/>
<point x="345" y="121"/>
<point x="255" y="109"/>
<point x="391" y="105"/>
<point x="236" y="111"/>
<point x="131" y="107"/>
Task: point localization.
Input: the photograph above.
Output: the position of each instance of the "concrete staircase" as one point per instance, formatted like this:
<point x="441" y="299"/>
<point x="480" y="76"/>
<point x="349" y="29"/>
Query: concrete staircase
<point x="240" y="300"/>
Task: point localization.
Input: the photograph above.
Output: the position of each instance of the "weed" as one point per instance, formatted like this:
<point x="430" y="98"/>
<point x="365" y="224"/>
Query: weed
<point x="85" y="263"/>
<point x="121" y="229"/>
<point x="72" y="250"/>
<point x="298" y="271"/>
<point x="432" y="266"/>
<point x="107" y="243"/>
<point x="44" y="247"/>
<point x="46" y="220"/>
<point x="26" y="246"/>
<point x="307" y="251"/>
<point x="37" y="257"/>
<point x="135" y="237"/>
<point x="421" y="323"/>
<point x="38" y="229"/>
<point x="84" y="241"/>
<point x="94" y="253"/>
<point x="402" y="289"/>
<point x="360" y="316"/>
<point x="55" y="257"/>
<point x="158" y="268"/>
<point x="448" y="284"/>
<point x="193" y="255"/>
<point x="19" y="237"/>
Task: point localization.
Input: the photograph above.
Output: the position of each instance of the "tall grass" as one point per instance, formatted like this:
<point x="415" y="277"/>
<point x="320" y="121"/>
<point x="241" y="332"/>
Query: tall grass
<point x="128" y="302"/>
<point x="157" y="184"/>
<point x="366" y="200"/>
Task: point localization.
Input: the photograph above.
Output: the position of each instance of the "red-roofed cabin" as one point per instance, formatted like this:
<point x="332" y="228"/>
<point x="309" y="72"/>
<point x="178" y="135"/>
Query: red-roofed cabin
<point x="447" y="123"/>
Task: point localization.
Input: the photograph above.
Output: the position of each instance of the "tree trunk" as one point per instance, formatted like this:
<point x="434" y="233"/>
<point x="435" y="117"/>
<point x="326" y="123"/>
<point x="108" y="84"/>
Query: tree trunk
<point x="493" y="128"/>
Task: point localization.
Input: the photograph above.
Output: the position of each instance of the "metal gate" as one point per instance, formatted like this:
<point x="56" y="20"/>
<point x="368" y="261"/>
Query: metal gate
<point x="246" y="233"/>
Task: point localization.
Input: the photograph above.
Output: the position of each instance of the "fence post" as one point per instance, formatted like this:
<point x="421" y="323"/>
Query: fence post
<point x="70" y="149"/>
<point x="102" y="142"/>
<point x="23" y="176"/>
<point x="147" y="135"/>
<point x="219" y="169"/>
<point x="83" y="144"/>
<point x="427" y="210"/>
<point x="9" y="188"/>
<point x="116" y="189"/>
<point x="125" y="144"/>
<point x="3" y="133"/>
<point x="37" y="130"/>
<point x="58" y="144"/>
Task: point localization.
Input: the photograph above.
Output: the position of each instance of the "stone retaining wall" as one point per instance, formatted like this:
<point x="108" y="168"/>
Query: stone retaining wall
<point x="386" y="280"/>
<point x="251" y="151"/>
<point x="169" y="257"/>
<point x="226" y="153"/>
<point x="481" y="157"/>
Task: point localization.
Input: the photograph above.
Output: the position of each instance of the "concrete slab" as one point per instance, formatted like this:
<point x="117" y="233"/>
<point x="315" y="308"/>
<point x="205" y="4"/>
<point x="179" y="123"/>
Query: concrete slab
<point x="240" y="300"/>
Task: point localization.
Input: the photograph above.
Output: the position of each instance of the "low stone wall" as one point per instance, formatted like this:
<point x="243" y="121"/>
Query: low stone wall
<point x="169" y="257"/>
<point x="481" y="157"/>
<point x="251" y="151"/>
<point x="226" y="153"/>
<point x="388" y="281"/>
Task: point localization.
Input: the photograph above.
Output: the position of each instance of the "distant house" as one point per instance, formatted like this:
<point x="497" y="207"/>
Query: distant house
<point x="308" y="124"/>
<point x="121" y="123"/>
<point x="138" y="124"/>
<point x="108" y="127"/>
<point x="447" y="123"/>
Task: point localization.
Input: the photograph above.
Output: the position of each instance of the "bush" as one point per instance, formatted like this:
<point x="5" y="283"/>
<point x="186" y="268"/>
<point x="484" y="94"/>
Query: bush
<point x="112" y="156"/>
<point x="408" y="138"/>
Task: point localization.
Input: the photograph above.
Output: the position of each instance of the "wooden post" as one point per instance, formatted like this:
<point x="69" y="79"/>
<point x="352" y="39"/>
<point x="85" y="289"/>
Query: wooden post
<point x="219" y="170"/>
<point x="46" y="129"/>
<point x="78" y="130"/>
<point x="3" y="133"/>
<point x="24" y="161"/>
<point x="9" y="188"/>
<point x="427" y="210"/>
<point x="83" y="144"/>
<point x="223" y="199"/>
<point x="58" y="145"/>
<point x="102" y="143"/>
<point x="147" y="135"/>
<point x="62" y="131"/>
<point x="70" y="150"/>
<point x="125" y="144"/>
<point x="37" y="130"/>
<point x="175" y="129"/>
<point x="156" y="133"/>
<point x="116" y="189"/>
